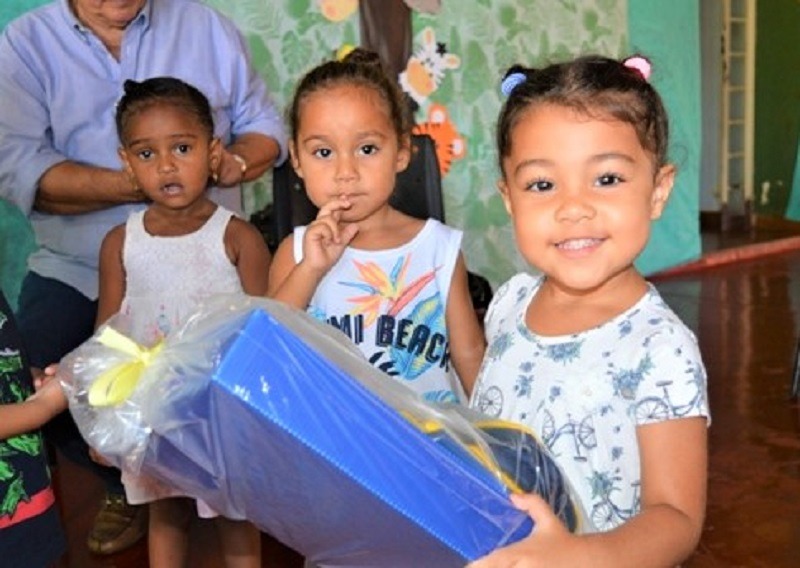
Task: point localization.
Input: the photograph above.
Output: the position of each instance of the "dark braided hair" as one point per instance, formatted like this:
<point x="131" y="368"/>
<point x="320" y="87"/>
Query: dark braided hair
<point x="593" y="85"/>
<point x="162" y="90"/>
<point x="361" y="67"/>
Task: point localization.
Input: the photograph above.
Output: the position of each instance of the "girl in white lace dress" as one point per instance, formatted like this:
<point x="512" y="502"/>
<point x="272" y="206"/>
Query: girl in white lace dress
<point x="159" y="265"/>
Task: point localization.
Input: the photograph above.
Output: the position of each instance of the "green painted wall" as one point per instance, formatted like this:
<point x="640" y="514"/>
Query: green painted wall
<point x="486" y="36"/>
<point x="777" y="105"/>
<point x="489" y="37"/>
<point x="16" y="243"/>
<point x="652" y="30"/>
<point x="10" y="9"/>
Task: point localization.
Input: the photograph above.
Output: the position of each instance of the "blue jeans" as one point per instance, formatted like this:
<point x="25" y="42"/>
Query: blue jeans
<point x="53" y="319"/>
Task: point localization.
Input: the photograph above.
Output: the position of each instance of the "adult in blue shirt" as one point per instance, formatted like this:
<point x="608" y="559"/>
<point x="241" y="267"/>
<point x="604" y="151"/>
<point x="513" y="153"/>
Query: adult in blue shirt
<point x="62" y="68"/>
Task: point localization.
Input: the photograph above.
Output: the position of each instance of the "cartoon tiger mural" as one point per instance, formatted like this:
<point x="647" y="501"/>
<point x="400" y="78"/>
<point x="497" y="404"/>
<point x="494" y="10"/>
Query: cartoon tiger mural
<point x="449" y="143"/>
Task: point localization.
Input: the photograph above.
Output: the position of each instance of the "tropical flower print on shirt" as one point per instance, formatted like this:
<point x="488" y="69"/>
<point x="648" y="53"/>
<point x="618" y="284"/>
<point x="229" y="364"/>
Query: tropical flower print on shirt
<point x="392" y="305"/>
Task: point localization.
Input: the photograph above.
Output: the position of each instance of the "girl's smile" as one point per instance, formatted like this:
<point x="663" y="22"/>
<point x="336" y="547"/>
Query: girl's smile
<point x="582" y="193"/>
<point x="584" y="245"/>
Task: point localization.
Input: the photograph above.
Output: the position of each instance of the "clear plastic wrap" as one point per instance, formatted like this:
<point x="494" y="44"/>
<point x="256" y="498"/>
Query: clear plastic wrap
<point x="267" y="414"/>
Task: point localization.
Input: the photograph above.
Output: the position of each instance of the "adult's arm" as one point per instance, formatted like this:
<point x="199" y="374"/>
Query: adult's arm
<point x="69" y="188"/>
<point x="33" y="173"/>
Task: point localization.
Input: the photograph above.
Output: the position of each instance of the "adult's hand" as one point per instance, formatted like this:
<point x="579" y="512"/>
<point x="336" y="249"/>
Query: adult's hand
<point x="248" y="158"/>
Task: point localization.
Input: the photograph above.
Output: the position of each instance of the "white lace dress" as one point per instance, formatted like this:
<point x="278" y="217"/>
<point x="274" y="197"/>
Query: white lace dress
<point x="168" y="277"/>
<point x="166" y="280"/>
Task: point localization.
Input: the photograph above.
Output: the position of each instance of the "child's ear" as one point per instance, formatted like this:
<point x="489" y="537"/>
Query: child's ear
<point x="123" y="157"/>
<point x="503" y="188"/>
<point x="293" y="159"/>
<point x="126" y="165"/>
<point x="665" y="179"/>
<point x="403" y="154"/>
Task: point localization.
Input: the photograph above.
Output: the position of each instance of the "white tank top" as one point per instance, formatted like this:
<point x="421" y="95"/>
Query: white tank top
<point x="392" y="304"/>
<point x="167" y="277"/>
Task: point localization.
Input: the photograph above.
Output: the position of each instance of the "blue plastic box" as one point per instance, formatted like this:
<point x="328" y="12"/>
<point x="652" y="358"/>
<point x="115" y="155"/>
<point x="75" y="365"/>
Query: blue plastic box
<point x="282" y="436"/>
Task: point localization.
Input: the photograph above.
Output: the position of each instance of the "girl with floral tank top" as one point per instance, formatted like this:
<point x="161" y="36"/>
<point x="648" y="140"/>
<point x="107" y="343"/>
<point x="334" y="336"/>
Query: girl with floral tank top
<point x="394" y="284"/>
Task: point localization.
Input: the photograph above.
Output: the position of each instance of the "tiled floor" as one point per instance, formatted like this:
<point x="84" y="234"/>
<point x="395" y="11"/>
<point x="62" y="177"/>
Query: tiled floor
<point x="747" y="317"/>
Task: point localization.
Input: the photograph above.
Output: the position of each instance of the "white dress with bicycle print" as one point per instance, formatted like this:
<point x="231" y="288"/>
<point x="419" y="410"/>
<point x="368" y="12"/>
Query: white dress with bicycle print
<point x="585" y="394"/>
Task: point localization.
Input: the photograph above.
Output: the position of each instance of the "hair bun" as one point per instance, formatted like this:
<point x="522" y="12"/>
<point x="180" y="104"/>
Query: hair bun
<point x="516" y="68"/>
<point x="131" y="87"/>
<point x="361" y="56"/>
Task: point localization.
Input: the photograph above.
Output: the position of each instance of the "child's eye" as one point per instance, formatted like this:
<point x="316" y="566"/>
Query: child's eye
<point x="144" y="154"/>
<point x="182" y="149"/>
<point x="368" y="149"/>
<point x="322" y="153"/>
<point x="539" y="185"/>
<point x="606" y="180"/>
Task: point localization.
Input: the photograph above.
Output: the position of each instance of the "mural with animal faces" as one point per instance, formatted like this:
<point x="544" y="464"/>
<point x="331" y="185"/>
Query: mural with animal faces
<point x="459" y="55"/>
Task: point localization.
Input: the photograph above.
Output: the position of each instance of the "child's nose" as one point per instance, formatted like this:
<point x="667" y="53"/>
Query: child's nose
<point x="166" y="163"/>
<point x="346" y="168"/>
<point x="575" y="206"/>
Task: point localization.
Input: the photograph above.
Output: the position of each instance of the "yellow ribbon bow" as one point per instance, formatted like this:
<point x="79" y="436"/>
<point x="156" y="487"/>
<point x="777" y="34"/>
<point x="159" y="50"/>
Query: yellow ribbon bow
<point x="116" y="385"/>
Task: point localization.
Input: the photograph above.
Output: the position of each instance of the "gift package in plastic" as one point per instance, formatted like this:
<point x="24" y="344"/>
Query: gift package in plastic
<point x="269" y="415"/>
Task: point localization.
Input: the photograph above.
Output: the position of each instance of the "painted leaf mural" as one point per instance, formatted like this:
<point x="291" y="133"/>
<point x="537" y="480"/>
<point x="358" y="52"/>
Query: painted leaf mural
<point x="490" y="36"/>
<point x="288" y="37"/>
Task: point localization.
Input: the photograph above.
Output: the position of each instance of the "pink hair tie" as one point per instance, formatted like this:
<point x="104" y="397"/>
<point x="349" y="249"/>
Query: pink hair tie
<point x="640" y="64"/>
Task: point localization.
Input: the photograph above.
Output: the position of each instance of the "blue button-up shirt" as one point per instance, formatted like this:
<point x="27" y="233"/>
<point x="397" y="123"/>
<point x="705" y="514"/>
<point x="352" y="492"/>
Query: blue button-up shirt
<point x="59" y="86"/>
